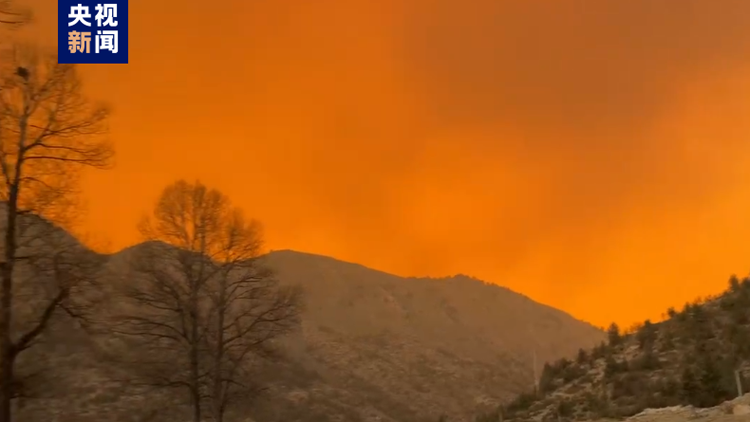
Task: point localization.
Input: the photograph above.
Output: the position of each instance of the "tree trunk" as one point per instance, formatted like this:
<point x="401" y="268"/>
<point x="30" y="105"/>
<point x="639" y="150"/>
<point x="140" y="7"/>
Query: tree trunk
<point x="6" y="348"/>
<point x="6" y="387"/>
<point x="194" y="369"/>
<point x="7" y="354"/>
<point x="218" y="395"/>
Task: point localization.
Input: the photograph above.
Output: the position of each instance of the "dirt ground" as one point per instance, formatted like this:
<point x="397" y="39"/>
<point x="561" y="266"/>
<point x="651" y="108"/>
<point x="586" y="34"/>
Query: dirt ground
<point x="737" y="410"/>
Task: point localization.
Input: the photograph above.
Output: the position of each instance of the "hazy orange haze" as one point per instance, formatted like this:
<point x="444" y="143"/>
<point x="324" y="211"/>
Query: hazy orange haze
<point x="593" y="155"/>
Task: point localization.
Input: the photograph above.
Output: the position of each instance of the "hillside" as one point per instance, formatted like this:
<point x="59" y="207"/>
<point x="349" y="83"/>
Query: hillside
<point x="373" y="346"/>
<point x="414" y="348"/>
<point x="690" y="358"/>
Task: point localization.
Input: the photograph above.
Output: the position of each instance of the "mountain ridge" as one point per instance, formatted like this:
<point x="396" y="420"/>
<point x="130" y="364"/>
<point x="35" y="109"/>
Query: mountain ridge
<point x="372" y="346"/>
<point x="459" y="277"/>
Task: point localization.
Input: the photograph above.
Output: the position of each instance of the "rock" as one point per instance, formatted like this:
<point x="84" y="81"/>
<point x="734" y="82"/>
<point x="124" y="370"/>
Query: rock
<point x="741" y="409"/>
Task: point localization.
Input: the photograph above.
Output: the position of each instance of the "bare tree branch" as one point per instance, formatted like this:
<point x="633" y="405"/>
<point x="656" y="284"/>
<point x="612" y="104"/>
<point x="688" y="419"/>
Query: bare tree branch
<point x="48" y="131"/>
<point x="200" y="299"/>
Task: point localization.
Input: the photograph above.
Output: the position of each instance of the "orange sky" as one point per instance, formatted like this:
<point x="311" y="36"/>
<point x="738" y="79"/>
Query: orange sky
<point x="592" y="155"/>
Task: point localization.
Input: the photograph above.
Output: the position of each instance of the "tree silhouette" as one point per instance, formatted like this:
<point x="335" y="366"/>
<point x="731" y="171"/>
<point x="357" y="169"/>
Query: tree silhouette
<point x="48" y="131"/>
<point x="646" y="335"/>
<point x="613" y="335"/>
<point x="203" y="305"/>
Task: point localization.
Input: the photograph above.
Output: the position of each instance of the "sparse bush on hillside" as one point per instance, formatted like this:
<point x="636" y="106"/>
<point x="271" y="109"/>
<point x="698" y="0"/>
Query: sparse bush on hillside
<point x="582" y="357"/>
<point x="613" y="366"/>
<point x="565" y="408"/>
<point x="734" y="284"/>
<point x="599" y="351"/>
<point x="666" y="342"/>
<point x="690" y="358"/>
<point x="648" y="361"/>
<point x="547" y="379"/>
<point x="692" y="389"/>
<point x="699" y="324"/>
<point x="712" y="390"/>
<point x="668" y="389"/>
<point x="739" y="337"/>
<point x="520" y="403"/>
<point x="671" y="312"/>
<point x="595" y="403"/>
<point x="572" y="372"/>
<point x="646" y="335"/>
<point x="628" y="385"/>
<point x="613" y="335"/>
<point x="562" y="369"/>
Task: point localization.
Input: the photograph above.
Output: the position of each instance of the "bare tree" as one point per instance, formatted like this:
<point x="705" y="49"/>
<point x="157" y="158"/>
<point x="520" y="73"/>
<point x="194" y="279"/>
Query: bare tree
<point x="204" y="307"/>
<point x="248" y="311"/>
<point x="48" y="131"/>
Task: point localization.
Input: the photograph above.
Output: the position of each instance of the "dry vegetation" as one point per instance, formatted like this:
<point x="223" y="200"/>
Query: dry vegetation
<point x="200" y="305"/>
<point x="48" y="132"/>
<point x="694" y="357"/>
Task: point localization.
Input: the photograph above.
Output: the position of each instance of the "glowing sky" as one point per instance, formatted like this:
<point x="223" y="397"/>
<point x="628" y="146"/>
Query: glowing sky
<point x="593" y="155"/>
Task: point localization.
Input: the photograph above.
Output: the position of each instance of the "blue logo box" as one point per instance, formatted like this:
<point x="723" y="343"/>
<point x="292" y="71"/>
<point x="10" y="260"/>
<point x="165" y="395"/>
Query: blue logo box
<point x="92" y="32"/>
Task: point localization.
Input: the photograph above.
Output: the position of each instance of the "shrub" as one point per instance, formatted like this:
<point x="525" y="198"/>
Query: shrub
<point x="613" y="335"/>
<point x="521" y="402"/>
<point x="671" y="312"/>
<point x="599" y="351"/>
<point x="646" y="362"/>
<point x="582" y="357"/>
<point x="646" y="335"/>
<point x="613" y="367"/>
<point x="630" y="385"/>
<point x="565" y="408"/>
<point x="572" y="373"/>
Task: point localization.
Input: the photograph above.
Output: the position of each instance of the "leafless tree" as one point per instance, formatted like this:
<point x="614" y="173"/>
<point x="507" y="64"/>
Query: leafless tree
<point x="48" y="131"/>
<point x="204" y="307"/>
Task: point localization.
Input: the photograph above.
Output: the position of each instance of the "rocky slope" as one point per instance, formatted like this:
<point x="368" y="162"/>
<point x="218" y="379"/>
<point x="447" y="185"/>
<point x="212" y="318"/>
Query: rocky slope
<point x="373" y="346"/>
<point x="694" y="357"/>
